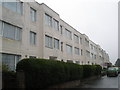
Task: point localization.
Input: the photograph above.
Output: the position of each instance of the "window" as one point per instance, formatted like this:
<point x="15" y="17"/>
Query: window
<point x="61" y="29"/>
<point x="14" y="6"/>
<point x="48" y="41"/>
<point x="82" y="62"/>
<point x="95" y="48"/>
<point x="52" y="58"/>
<point x="77" y="52"/>
<point x="48" y="20"/>
<point x="62" y="46"/>
<point x="88" y="62"/>
<point x="9" y="31"/>
<point x="32" y="56"/>
<point x="0" y="27"/>
<point x="81" y="52"/>
<point x="10" y="60"/>
<point x="56" y="43"/>
<point x="70" y="61"/>
<point x="87" y="53"/>
<point x="18" y="34"/>
<point x="78" y="62"/>
<point x="56" y="24"/>
<point x="32" y="38"/>
<point x="91" y="46"/>
<point x="80" y="40"/>
<point x="92" y="55"/>
<point x="68" y="49"/>
<point x="12" y="32"/>
<point x="86" y="42"/>
<point x="32" y="14"/>
<point x="68" y="34"/>
<point x="76" y="38"/>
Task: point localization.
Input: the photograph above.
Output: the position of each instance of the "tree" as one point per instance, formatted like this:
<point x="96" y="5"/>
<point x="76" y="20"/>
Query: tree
<point x="117" y="63"/>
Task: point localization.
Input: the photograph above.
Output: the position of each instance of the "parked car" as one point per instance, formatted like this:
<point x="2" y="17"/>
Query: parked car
<point x="118" y="69"/>
<point x="112" y="71"/>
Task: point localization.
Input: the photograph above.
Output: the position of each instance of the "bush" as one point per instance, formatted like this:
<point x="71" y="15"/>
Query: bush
<point x="91" y="70"/>
<point x="5" y="68"/>
<point x="104" y="72"/>
<point x="8" y="78"/>
<point x="41" y="73"/>
<point x="98" y="70"/>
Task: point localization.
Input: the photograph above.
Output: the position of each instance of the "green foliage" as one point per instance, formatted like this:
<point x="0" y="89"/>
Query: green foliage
<point x="5" y="68"/>
<point x="98" y="69"/>
<point x="91" y="70"/>
<point x="8" y="77"/>
<point x="41" y="73"/>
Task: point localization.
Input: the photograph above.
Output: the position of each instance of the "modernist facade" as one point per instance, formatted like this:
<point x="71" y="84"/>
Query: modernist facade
<point x="33" y="30"/>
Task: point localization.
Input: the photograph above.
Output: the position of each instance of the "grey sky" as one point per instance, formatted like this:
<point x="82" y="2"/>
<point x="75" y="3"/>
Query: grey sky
<point x="98" y="19"/>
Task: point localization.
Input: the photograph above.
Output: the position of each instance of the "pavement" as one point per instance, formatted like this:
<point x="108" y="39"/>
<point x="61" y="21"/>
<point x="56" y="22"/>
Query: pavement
<point x="110" y="83"/>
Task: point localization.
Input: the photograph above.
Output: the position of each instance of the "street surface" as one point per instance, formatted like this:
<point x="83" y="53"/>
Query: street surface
<point x="103" y="82"/>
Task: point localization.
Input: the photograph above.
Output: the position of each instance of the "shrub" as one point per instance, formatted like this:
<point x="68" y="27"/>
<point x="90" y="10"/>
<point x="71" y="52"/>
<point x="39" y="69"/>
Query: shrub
<point x="5" y="68"/>
<point x="98" y="70"/>
<point x="8" y="78"/>
<point x="91" y="70"/>
<point x="41" y="73"/>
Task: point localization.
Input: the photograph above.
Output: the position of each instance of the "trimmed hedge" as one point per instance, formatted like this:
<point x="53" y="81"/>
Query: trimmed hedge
<point x="42" y="73"/>
<point x="8" y="78"/>
<point x="91" y="70"/>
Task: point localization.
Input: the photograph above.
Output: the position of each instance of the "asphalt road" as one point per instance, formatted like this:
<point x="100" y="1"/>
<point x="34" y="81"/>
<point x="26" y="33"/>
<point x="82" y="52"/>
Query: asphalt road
<point x="0" y="80"/>
<point x="103" y="82"/>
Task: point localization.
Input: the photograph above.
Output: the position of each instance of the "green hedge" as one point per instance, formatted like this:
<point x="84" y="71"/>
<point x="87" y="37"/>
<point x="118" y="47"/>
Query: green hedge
<point x="41" y="73"/>
<point x="8" y="78"/>
<point x="91" y="70"/>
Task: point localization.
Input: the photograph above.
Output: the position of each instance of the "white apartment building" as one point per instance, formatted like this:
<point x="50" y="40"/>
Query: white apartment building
<point x="33" y="30"/>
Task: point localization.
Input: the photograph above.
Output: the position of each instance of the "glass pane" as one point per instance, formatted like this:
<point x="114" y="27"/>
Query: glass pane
<point x="33" y="14"/>
<point x="9" y="60"/>
<point x="46" y="41"/>
<point x="19" y="7"/>
<point x="0" y="27"/>
<point x="18" y="34"/>
<point x="48" y="20"/>
<point x="4" y="59"/>
<point x="17" y="58"/>
<point x="32" y="38"/>
<point x="45" y="19"/>
<point x="50" y="42"/>
<point x="56" y="25"/>
<point x="9" y="31"/>
<point x="10" y="5"/>
<point x="56" y="43"/>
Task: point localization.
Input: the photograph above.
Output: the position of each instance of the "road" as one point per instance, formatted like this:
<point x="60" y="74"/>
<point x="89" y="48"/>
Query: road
<point x="103" y="82"/>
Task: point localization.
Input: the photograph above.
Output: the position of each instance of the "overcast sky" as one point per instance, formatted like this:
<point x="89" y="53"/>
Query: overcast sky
<point x="98" y="19"/>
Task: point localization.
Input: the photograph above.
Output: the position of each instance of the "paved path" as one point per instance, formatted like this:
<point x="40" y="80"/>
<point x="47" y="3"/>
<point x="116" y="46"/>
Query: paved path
<point x="104" y="82"/>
